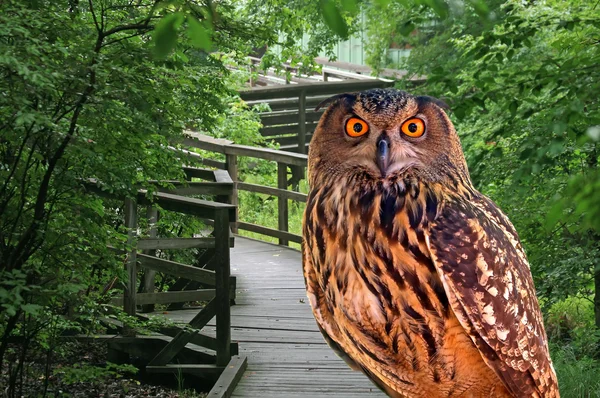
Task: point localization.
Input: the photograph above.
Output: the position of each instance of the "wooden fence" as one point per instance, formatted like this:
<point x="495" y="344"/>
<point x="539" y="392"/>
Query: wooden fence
<point x="286" y="163"/>
<point x="292" y="119"/>
<point x="208" y="279"/>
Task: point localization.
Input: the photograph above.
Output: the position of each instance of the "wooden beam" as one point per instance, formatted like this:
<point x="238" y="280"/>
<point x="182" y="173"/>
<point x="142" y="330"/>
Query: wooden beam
<point x="200" y="339"/>
<point x="254" y="152"/>
<point x="283" y="193"/>
<point x="170" y="297"/>
<point x="149" y="275"/>
<point x="282" y="203"/>
<point x="195" y="172"/>
<point x="199" y="188"/>
<point x="178" y="269"/>
<point x="272" y="131"/>
<point x="313" y="89"/>
<point x="259" y="229"/>
<point x="184" y="336"/>
<point x="205" y="315"/>
<point x="175" y="243"/>
<point x="303" y="117"/>
<point x="222" y="280"/>
<point x="278" y="118"/>
<point x="268" y="154"/>
<point x="232" y="172"/>
<point x="223" y="176"/>
<point x="229" y="379"/>
<point x="210" y="143"/>
<point x="129" y="304"/>
<point x="192" y="206"/>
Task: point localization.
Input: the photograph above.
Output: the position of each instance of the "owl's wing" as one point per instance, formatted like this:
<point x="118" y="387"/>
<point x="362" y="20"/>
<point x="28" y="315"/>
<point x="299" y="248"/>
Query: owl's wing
<point x="486" y="276"/>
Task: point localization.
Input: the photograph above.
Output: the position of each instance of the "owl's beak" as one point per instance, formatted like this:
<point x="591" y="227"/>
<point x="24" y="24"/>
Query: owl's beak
<point x="383" y="153"/>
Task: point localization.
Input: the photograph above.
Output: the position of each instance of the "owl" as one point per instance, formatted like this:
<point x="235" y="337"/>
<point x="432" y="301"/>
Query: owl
<point x="413" y="276"/>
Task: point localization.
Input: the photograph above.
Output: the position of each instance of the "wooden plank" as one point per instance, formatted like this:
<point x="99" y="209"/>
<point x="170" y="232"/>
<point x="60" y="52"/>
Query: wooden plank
<point x="268" y="154"/>
<point x="344" y="74"/>
<point x="177" y="269"/>
<point x="184" y="336"/>
<point x="195" y="172"/>
<point x="198" y="158"/>
<point x="149" y="275"/>
<point x="229" y="379"/>
<point x="209" y="143"/>
<point x="129" y="304"/>
<point x="232" y="172"/>
<point x="297" y="196"/>
<point x="222" y="274"/>
<point x="170" y="297"/>
<point x="269" y="232"/>
<point x="312" y="89"/>
<point x="281" y="104"/>
<point x="273" y="131"/>
<point x="192" y="206"/>
<point x="199" y="188"/>
<point x="205" y="315"/>
<point x="223" y="176"/>
<point x="303" y="117"/>
<point x="282" y="203"/>
<point x="292" y="139"/>
<point x="175" y="243"/>
<point x="277" y="118"/>
<point x="199" y="339"/>
<point x="292" y="148"/>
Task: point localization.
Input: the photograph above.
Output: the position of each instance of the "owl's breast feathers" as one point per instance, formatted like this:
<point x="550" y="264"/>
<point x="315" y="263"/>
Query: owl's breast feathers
<point x="422" y="288"/>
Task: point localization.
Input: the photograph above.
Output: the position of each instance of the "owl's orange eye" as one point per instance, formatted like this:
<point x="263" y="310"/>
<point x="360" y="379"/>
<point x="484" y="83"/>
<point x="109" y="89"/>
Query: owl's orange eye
<point x="356" y="127"/>
<point x="414" y="127"/>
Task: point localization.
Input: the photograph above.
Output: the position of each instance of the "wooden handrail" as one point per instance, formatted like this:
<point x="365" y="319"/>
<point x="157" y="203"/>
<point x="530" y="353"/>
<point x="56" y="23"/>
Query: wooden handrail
<point x="295" y="90"/>
<point x="283" y="160"/>
<point x="226" y="147"/>
<point x="143" y="251"/>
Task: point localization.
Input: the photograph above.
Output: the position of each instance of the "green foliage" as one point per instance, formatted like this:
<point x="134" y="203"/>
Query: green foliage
<point x="522" y="84"/>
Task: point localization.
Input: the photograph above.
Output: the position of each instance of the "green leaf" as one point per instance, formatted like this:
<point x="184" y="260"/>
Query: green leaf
<point x="165" y="33"/>
<point x="481" y="8"/>
<point x="439" y="7"/>
<point x="513" y="107"/>
<point x="333" y="18"/>
<point x="407" y="28"/>
<point x="350" y="6"/>
<point x="199" y="34"/>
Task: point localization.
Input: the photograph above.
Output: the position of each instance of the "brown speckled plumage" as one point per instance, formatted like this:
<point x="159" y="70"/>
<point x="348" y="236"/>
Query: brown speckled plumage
<point x="414" y="277"/>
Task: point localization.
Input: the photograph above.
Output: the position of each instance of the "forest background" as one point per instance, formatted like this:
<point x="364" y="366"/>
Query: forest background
<point x="101" y="88"/>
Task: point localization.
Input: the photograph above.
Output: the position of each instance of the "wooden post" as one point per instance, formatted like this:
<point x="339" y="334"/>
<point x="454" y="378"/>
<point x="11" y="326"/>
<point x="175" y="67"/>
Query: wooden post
<point x="150" y="275"/>
<point x="231" y="162"/>
<point x="325" y="76"/>
<point x="302" y="122"/>
<point x="222" y="274"/>
<point x="130" y="286"/>
<point x="282" y="203"/>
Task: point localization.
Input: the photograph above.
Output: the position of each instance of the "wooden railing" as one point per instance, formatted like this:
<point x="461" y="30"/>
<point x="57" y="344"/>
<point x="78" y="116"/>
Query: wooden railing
<point x="292" y="119"/>
<point x="211" y="270"/>
<point x="286" y="161"/>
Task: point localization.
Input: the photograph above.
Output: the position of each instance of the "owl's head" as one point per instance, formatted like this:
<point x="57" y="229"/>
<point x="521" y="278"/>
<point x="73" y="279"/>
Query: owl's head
<point x="381" y="133"/>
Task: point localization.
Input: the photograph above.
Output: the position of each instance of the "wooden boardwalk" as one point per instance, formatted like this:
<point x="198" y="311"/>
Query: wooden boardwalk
<point x="273" y="323"/>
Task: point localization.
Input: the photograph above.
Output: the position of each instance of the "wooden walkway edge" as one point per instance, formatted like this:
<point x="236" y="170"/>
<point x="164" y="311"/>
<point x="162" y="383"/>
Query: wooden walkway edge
<point x="272" y="321"/>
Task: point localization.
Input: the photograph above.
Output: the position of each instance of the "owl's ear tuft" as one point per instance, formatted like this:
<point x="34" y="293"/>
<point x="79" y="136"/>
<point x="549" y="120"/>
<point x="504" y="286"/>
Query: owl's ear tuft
<point x="345" y="96"/>
<point x="425" y="99"/>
